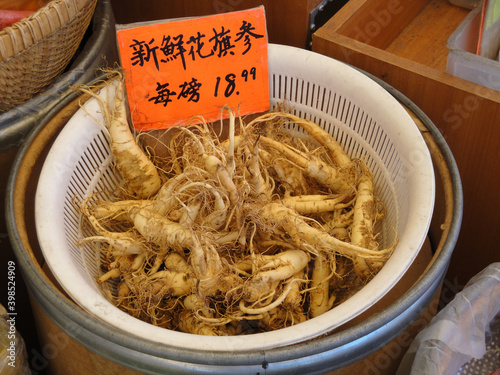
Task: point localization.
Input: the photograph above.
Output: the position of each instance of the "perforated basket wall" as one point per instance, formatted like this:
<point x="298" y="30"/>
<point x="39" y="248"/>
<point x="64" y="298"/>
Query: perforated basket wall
<point x="35" y="50"/>
<point x="367" y="121"/>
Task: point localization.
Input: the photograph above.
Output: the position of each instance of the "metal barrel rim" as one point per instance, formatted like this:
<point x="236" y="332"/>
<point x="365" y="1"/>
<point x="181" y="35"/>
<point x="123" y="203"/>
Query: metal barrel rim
<point x="329" y="352"/>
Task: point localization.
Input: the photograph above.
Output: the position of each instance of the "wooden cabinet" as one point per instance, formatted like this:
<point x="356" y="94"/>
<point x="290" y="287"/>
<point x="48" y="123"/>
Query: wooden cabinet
<point x="403" y="42"/>
<point x="287" y="21"/>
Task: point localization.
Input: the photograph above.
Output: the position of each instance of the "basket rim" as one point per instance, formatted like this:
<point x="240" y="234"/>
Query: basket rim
<point x="39" y="25"/>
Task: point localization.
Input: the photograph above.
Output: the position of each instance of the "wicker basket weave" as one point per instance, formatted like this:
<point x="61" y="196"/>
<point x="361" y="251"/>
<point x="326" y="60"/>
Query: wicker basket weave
<point x="38" y="48"/>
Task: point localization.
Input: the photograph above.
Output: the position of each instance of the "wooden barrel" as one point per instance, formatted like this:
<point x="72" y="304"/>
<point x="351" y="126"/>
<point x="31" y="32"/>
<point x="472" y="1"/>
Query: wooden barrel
<point x="73" y="342"/>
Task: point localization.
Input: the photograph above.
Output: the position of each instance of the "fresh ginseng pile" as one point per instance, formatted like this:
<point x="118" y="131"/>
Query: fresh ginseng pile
<point x="262" y="228"/>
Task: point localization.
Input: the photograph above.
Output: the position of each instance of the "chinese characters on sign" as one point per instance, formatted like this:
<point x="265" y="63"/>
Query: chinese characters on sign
<point x="190" y="67"/>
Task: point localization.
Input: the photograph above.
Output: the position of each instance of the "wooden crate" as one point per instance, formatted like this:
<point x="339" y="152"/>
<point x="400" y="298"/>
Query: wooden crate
<point x="287" y="21"/>
<point x="403" y="42"/>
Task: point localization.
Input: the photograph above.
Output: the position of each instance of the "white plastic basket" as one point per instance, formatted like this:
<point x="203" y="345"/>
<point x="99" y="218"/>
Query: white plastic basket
<point x="364" y="117"/>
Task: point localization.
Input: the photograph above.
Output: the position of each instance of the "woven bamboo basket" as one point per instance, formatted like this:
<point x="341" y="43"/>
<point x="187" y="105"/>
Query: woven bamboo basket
<point x="35" y="50"/>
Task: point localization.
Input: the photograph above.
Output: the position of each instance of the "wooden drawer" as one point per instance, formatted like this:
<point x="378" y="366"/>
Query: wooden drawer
<point x="403" y="42"/>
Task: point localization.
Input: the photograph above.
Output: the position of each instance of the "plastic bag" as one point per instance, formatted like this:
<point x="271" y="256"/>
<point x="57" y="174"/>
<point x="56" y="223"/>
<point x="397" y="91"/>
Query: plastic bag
<point x="489" y="363"/>
<point x="459" y="332"/>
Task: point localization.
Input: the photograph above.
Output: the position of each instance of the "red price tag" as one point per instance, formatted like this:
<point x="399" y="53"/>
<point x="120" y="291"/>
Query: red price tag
<point x="189" y="67"/>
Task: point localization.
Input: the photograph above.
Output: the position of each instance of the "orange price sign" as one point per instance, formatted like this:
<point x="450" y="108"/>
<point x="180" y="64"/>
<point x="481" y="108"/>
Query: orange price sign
<point x="182" y="68"/>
